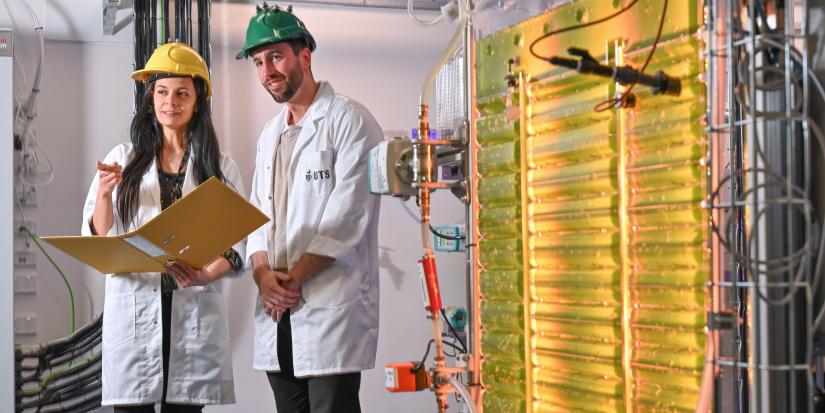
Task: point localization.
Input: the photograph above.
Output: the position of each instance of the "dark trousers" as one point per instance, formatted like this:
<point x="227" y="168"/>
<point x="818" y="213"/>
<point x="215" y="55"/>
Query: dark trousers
<point x="166" y="317"/>
<point x="325" y="394"/>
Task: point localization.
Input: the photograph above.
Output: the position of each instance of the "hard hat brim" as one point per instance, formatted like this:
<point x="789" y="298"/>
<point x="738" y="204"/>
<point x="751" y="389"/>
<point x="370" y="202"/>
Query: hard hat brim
<point x="246" y="51"/>
<point x="143" y="76"/>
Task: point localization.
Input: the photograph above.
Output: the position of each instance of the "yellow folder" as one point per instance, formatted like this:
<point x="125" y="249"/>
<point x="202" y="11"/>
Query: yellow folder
<point x="196" y="229"/>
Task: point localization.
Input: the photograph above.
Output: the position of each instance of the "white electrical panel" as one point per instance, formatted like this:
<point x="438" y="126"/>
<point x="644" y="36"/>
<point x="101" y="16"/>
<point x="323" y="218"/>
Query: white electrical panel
<point x="25" y="282"/>
<point x="23" y="258"/>
<point x="25" y="325"/>
<point x="6" y="221"/>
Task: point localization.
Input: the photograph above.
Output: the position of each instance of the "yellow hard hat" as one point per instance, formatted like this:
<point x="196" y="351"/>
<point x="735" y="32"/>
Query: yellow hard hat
<point x="175" y="59"/>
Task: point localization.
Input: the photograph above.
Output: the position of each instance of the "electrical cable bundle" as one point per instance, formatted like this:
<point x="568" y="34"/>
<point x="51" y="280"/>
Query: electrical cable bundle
<point x="808" y="254"/>
<point x="203" y="31"/>
<point x="62" y="375"/>
<point x="151" y="28"/>
<point x="28" y="149"/>
<point x="164" y="22"/>
<point x="769" y="78"/>
<point x="183" y="21"/>
<point x="140" y="46"/>
<point x="178" y="29"/>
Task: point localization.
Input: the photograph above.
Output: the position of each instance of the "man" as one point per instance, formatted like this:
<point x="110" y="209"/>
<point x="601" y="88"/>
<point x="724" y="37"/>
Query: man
<point x="316" y="261"/>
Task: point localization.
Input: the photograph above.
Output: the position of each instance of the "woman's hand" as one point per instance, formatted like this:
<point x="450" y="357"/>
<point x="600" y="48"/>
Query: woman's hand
<point x="110" y="176"/>
<point x="185" y="275"/>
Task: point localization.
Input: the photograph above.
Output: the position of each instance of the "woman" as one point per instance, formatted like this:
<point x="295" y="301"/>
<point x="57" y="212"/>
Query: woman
<point x="164" y="335"/>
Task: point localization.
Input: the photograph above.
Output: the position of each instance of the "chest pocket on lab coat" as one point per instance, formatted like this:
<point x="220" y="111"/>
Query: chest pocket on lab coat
<point x="317" y="172"/>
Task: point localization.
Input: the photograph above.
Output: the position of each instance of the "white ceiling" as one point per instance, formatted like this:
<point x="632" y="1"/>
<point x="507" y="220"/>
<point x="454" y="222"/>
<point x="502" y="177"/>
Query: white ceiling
<point x="338" y="27"/>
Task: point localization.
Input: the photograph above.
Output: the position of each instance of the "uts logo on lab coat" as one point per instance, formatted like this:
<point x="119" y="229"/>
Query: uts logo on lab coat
<point x="317" y="175"/>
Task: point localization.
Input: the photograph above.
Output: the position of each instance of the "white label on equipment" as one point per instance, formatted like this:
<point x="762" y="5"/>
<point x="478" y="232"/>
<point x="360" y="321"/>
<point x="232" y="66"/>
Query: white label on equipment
<point x="423" y="285"/>
<point x="146" y="246"/>
<point x="390" y="378"/>
<point x="379" y="184"/>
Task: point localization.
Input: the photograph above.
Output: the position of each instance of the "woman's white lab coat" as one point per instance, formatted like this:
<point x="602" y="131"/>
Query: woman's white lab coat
<point x="330" y="213"/>
<point x="200" y="362"/>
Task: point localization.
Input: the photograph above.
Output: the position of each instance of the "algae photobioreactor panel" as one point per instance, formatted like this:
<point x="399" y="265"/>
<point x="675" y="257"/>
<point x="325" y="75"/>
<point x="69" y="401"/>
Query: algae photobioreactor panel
<point x="593" y="249"/>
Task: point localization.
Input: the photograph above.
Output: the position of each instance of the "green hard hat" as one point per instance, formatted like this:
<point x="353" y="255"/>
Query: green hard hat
<point x="272" y="25"/>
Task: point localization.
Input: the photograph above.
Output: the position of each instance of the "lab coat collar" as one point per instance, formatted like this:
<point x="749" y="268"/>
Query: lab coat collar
<point x="151" y="185"/>
<point x="320" y="105"/>
<point x="317" y="111"/>
<point x="189" y="179"/>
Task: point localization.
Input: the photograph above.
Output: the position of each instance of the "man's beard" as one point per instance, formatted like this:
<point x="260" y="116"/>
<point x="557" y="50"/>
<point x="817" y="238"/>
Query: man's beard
<point x="292" y="81"/>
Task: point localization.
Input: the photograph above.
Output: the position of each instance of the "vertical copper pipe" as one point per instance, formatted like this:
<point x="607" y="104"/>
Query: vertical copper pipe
<point x="473" y="289"/>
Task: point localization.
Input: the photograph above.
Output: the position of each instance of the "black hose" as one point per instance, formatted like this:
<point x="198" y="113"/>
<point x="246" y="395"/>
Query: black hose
<point x="78" y="353"/>
<point x="188" y="5"/>
<point x="140" y="61"/>
<point x="177" y="20"/>
<point x="204" y="13"/>
<point x="48" y="357"/>
<point x="78" y="406"/>
<point x="90" y="405"/>
<point x="73" y="350"/>
<point x="53" y="385"/>
<point x="82" y="377"/>
<point x="81" y="385"/>
<point x="166" y="30"/>
<point x="57" y="351"/>
<point x="184" y="30"/>
<point x="64" y="391"/>
<point x="21" y="368"/>
<point x="73" y="370"/>
<point x="153" y="24"/>
<point x="78" y="388"/>
<point x="93" y="327"/>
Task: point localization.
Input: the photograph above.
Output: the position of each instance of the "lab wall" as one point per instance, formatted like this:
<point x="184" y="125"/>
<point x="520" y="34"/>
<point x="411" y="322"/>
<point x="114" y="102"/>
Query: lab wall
<point x="85" y="108"/>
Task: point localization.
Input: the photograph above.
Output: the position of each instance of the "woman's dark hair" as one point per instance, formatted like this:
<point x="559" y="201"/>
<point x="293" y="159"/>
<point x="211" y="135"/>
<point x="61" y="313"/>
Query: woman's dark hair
<point x="147" y="143"/>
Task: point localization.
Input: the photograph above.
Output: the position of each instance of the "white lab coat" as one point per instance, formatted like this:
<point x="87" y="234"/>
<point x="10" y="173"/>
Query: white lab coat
<point x="200" y="362"/>
<point x="330" y="213"/>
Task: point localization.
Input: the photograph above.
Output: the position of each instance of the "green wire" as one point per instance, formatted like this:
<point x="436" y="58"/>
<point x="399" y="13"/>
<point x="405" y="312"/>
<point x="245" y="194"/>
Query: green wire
<point x="65" y="280"/>
<point x="51" y="377"/>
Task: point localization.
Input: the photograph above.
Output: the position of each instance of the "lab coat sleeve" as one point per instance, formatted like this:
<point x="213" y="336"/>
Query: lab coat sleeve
<point x="233" y="178"/>
<point x="117" y="154"/>
<point x="350" y="207"/>
<point x="257" y="239"/>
